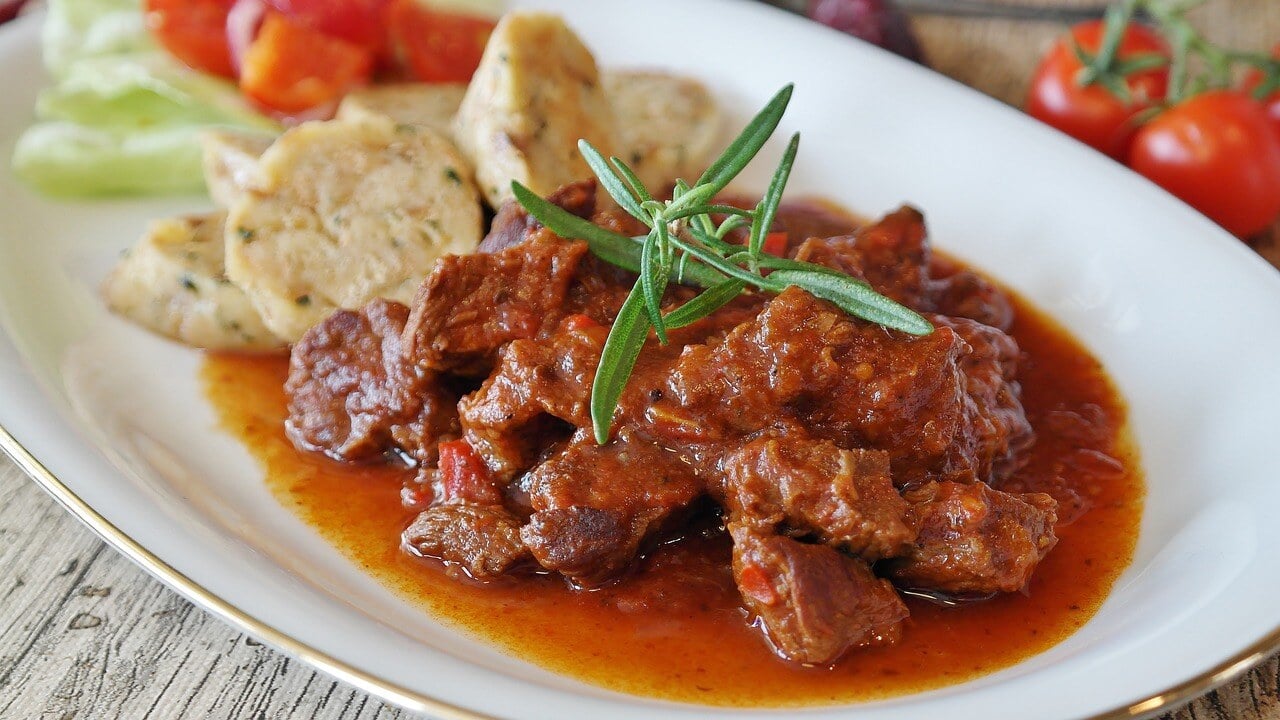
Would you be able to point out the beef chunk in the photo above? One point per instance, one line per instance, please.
(974, 540)
(891, 254)
(854, 383)
(513, 224)
(815, 602)
(998, 431)
(895, 256)
(483, 540)
(587, 545)
(348, 384)
(595, 506)
(435, 422)
(550, 377)
(471, 305)
(844, 498)
(969, 295)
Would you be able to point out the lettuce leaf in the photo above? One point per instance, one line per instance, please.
(122, 116)
(143, 90)
(66, 159)
(75, 29)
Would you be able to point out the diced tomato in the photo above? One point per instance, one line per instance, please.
(753, 582)
(436, 46)
(194, 31)
(357, 21)
(775, 243)
(464, 476)
(292, 68)
(579, 322)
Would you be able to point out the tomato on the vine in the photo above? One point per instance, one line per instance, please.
(194, 31)
(1270, 102)
(1217, 152)
(1093, 114)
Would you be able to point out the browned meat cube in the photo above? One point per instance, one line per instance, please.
(891, 254)
(595, 506)
(997, 430)
(857, 384)
(967, 294)
(895, 256)
(973, 540)
(435, 422)
(811, 487)
(483, 540)
(348, 384)
(534, 378)
(513, 225)
(815, 602)
(471, 305)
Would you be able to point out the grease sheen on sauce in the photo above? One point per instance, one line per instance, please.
(675, 630)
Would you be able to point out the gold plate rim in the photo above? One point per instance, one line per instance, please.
(1166, 700)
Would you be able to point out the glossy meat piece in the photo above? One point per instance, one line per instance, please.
(967, 294)
(533, 378)
(513, 224)
(348, 385)
(471, 305)
(973, 540)
(805, 487)
(483, 540)
(892, 254)
(895, 256)
(997, 430)
(856, 384)
(815, 602)
(595, 506)
(436, 421)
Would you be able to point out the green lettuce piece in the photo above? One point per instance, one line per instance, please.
(67, 159)
(76, 29)
(144, 90)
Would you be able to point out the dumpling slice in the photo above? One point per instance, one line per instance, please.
(430, 104)
(230, 161)
(173, 282)
(536, 92)
(346, 212)
(668, 126)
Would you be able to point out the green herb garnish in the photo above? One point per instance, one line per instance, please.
(686, 246)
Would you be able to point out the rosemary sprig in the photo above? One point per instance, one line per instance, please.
(685, 245)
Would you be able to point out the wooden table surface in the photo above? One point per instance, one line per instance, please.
(86, 634)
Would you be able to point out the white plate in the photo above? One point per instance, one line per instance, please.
(1181, 314)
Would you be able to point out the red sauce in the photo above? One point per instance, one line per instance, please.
(675, 630)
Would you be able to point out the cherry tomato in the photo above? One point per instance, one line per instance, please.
(436, 46)
(292, 68)
(1092, 114)
(1217, 152)
(194, 31)
(356, 21)
(1272, 101)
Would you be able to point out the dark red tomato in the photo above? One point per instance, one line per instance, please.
(1272, 101)
(356, 21)
(194, 31)
(1217, 152)
(1092, 114)
(437, 47)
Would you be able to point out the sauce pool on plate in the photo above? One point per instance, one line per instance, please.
(675, 629)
